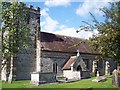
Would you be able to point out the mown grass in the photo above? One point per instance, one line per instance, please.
(78, 84)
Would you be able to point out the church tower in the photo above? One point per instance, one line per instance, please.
(28, 60)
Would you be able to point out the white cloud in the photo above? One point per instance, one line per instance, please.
(44, 12)
(54, 3)
(62, 27)
(91, 6)
(85, 34)
(67, 32)
(53, 26)
(72, 32)
(48, 24)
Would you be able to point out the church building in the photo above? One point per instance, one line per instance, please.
(57, 55)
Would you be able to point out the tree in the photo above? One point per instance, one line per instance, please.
(15, 32)
(107, 41)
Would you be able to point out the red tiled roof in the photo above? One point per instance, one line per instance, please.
(60, 43)
(69, 62)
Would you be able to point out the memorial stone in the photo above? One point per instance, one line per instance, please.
(116, 78)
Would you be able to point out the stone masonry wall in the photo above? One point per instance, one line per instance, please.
(25, 60)
(27, 65)
(48, 58)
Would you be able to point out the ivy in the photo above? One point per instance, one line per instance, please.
(15, 31)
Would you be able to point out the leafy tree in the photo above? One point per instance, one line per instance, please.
(107, 41)
(15, 32)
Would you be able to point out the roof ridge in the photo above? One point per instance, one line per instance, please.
(62, 35)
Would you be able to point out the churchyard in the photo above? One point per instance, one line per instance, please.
(47, 57)
(82, 84)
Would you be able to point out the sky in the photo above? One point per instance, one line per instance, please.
(65, 16)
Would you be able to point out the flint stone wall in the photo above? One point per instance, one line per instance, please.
(48, 58)
(48, 77)
(85, 74)
(25, 65)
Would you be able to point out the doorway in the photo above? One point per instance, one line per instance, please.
(79, 69)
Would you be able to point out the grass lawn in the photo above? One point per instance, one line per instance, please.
(79, 84)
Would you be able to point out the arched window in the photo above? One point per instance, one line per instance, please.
(55, 67)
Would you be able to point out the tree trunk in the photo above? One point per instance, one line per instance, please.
(11, 70)
(4, 70)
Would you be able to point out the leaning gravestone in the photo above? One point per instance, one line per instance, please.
(116, 78)
(100, 79)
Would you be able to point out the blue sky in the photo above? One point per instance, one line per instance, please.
(65, 16)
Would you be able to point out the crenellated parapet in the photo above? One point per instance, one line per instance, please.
(35, 10)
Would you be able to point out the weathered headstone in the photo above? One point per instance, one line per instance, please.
(100, 79)
(107, 68)
(94, 68)
(116, 78)
(98, 74)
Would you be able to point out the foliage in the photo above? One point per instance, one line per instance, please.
(14, 34)
(107, 41)
(15, 30)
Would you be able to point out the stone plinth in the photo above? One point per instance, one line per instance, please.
(35, 78)
(38, 78)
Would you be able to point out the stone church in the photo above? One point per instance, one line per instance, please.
(55, 55)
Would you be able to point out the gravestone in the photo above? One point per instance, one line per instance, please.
(107, 68)
(100, 79)
(116, 78)
(98, 74)
(94, 68)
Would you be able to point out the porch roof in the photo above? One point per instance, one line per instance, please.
(70, 62)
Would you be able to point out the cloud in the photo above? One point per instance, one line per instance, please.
(48, 24)
(91, 6)
(44, 12)
(53, 26)
(54, 3)
(72, 32)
